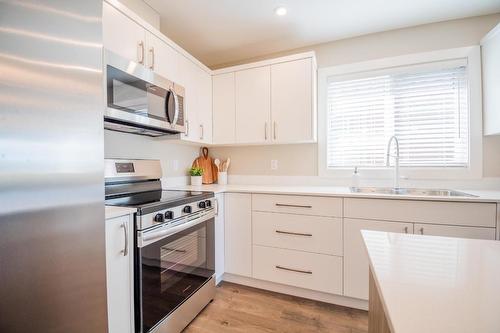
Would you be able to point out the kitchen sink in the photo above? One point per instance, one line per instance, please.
(411, 191)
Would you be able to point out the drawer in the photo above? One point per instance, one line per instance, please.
(298, 232)
(294, 204)
(454, 231)
(437, 212)
(300, 269)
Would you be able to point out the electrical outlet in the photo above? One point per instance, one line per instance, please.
(274, 164)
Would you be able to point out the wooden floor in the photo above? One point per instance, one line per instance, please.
(238, 308)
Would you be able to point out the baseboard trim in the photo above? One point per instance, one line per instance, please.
(295, 291)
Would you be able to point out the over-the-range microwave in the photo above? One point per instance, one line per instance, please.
(140, 101)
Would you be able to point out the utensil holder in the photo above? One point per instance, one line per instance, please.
(222, 178)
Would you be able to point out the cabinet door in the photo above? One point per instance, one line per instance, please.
(292, 101)
(122, 35)
(455, 231)
(219, 236)
(253, 105)
(238, 234)
(161, 58)
(356, 263)
(188, 75)
(223, 109)
(490, 56)
(119, 275)
(204, 92)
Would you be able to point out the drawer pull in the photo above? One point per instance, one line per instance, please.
(292, 233)
(295, 206)
(293, 270)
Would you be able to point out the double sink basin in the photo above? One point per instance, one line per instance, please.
(411, 191)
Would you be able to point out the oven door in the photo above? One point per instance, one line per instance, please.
(171, 269)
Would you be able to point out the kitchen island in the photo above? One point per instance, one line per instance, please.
(432, 284)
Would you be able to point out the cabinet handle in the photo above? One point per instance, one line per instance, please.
(152, 52)
(293, 270)
(202, 134)
(294, 206)
(292, 233)
(265, 131)
(406, 230)
(140, 51)
(274, 130)
(125, 234)
(186, 133)
(216, 207)
(421, 230)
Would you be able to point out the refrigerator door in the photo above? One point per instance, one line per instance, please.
(52, 253)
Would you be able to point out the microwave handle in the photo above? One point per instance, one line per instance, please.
(176, 105)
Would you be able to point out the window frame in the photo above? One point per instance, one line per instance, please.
(475, 170)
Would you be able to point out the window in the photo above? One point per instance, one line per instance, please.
(426, 110)
(428, 101)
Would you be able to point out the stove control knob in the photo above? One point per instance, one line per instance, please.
(158, 218)
(169, 215)
(187, 209)
(208, 203)
(201, 204)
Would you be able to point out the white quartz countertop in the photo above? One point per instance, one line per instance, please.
(436, 284)
(115, 211)
(335, 191)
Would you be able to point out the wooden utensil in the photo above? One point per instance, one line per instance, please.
(228, 161)
(206, 163)
(217, 164)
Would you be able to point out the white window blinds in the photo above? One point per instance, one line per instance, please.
(426, 107)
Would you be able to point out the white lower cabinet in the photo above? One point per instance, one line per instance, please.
(300, 269)
(355, 257)
(315, 242)
(455, 231)
(238, 234)
(219, 236)
(119, 274)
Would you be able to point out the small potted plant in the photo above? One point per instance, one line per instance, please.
(196, 174)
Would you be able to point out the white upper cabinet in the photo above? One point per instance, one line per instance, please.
(161, 57)
(204, 95)
(122, 35)
(126, 35)
(269, 102)
(198, 102)
(490, 52)
(223, 109)
(292, 102)
(253, 105)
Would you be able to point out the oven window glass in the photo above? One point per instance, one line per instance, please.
(128, 93)
(172, 269)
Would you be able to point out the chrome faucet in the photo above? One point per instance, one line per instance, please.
(396, 159)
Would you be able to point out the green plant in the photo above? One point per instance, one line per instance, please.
(196, 171)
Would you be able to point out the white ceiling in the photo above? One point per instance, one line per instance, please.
(222, 31)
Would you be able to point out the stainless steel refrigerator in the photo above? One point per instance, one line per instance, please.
(52, 253)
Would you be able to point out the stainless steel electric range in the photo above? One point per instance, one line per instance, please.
(174, 245)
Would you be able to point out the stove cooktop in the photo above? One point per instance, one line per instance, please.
(149, 202)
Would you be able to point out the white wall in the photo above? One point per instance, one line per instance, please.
(123, 145)
(301, 160)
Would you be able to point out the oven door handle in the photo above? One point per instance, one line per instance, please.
(148, 237)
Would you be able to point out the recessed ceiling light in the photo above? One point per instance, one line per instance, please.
(280, 11)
